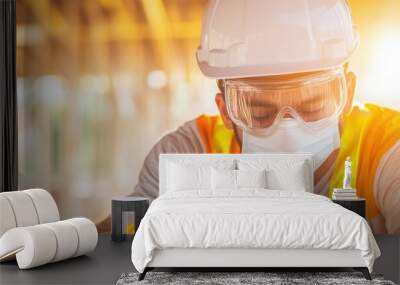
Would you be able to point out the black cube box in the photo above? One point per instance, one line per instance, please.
(126, 214)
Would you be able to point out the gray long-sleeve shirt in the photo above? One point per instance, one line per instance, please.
(186, 139)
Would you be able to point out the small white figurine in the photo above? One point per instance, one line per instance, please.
(347, 174)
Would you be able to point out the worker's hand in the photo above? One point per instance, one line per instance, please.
(104, 226)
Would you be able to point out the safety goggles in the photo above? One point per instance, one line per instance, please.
(259, 103)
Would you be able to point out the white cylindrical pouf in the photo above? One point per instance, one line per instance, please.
(23, 208)
(34, 245)
(67, 239)
(7, 218)
(87, 234)
(30, 230)
(40, 244)
(45, 205)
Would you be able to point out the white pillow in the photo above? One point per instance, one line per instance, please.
(282, 174)
(293, 180)
(251, 178)
(223, 179)
(187, 177)
(228, 179)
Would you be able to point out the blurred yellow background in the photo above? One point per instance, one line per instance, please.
(99, 81)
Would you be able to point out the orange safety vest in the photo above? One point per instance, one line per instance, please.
(368, 133)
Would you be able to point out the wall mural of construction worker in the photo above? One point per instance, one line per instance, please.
(285, 86)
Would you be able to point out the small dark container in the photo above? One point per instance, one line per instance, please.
(126, 214)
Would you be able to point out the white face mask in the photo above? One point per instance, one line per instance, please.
(291, 136)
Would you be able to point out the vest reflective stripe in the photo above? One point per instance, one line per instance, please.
(368, 134)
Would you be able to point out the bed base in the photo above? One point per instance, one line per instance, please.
(250, 259)
(363, 270)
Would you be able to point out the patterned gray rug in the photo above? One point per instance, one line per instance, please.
(225, 278)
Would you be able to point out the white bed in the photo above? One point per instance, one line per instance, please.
(249, 227)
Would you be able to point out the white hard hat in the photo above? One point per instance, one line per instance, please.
(246, 38)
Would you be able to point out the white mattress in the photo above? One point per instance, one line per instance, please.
(250, 219)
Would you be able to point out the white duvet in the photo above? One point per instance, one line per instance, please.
(252, 218)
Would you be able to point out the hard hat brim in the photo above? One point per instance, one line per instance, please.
(267, 70)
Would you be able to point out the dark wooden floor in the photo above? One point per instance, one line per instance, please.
(110, 260)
